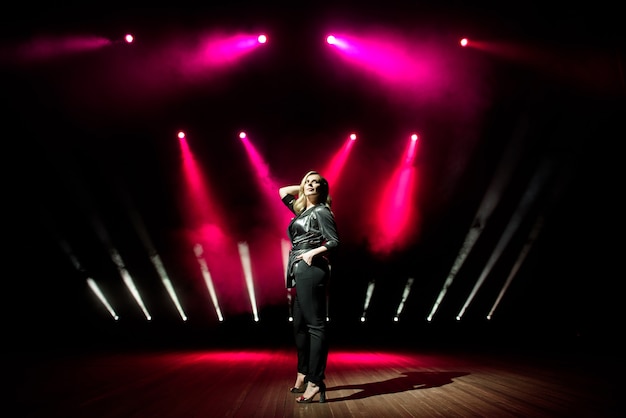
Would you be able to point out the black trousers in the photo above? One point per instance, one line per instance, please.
(309, 319)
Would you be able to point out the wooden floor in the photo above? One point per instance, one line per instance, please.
(361, 382)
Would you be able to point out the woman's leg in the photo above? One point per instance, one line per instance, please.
(310, 303)
(301, 336)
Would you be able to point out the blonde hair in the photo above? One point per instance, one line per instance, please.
(300, 203)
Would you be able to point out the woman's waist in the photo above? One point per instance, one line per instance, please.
(305, 245)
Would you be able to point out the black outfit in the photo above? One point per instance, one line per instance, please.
(310, 229)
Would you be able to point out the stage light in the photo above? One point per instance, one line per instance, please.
(340, 43)
(246, 264)
(463, 42)
(520, 259)
(167, 283)
(208, 280)
(267, 184)
(368, 298)
(262, 39)
(489, 202)
(334, 168)
(128, 280)
(96, 290)
(405, 295)
(397, 217)
(129, 38)
(529, 196)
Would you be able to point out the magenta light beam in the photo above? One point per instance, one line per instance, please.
(397, 217)
(219, 50)
(336, 165)
(267, 184)
(392, 60)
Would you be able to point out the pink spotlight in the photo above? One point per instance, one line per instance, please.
(333, 40)
(463, 42)
(411, 150)
(398, 218)
(339, 160)
(394, 61)
(129, 38)
(181, 135)
(267, 184)
(262, 39)
(220, 51)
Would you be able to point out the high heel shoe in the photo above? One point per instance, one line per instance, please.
(302, 387)
(298, 389)
(321, 391)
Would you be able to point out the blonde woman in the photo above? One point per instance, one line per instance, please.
(313, 235)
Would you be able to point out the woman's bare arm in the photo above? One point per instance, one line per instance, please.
(292, 190)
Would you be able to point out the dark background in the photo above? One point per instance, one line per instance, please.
(89, 123)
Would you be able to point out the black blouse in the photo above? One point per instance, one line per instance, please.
(310, 229)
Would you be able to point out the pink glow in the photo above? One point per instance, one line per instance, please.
(391, 60)
(164, 69)
(198, 204)
(219, 51)
(334, 168)
(414, 69)
(343, 358)
(221, 249)
(332, 40)
(267, 185)
(397, 218)
(206, 228)
(266, 255)
(46, 48)
(411, 151)
(360, 358)
(234, 356)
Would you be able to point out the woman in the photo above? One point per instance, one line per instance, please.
(313, 235)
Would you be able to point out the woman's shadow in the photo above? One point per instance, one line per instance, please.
(407, 381)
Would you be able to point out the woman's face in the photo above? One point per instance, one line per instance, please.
(311, 186)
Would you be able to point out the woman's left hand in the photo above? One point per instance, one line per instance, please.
(307, 257)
